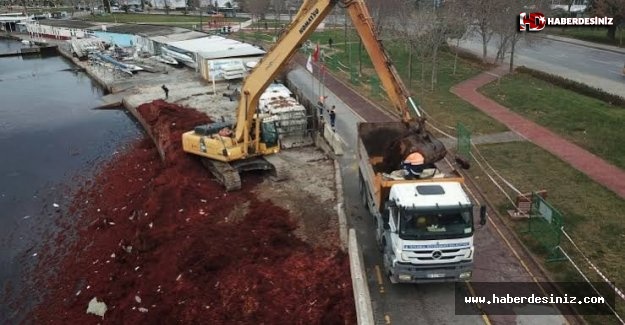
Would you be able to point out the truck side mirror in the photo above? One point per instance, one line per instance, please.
(482, 215)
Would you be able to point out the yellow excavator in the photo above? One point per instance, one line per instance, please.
(252, 143)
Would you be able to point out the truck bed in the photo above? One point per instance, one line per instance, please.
(373, 139)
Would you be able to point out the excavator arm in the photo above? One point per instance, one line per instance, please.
(226, 154)
(392, 83)
(309, 16)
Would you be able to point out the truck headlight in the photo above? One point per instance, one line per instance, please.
(404, 277)
(469, 254)
(465, 275)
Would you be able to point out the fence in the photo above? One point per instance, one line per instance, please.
(545, 226)
(463, 149)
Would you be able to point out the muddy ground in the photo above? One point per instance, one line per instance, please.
(162, 242)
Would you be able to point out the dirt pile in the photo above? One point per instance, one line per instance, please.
(156, 243)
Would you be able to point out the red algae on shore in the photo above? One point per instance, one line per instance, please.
(153, 241)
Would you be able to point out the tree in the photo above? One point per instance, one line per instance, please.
(166, 7)
(107, 6)
(450, 19)
(507, 34)
(257, 7)
(418, 23)
(277, 7)
(610, 8)
(384, 10)
(458, 29)
(481, 13)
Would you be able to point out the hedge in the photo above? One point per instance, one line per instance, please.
(575, 86)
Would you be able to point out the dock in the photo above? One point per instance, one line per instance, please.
(36, 50)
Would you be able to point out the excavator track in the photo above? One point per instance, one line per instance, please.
(280, 170)
(226, 174)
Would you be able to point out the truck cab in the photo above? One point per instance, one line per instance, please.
(427, 233)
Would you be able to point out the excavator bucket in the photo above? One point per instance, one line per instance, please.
(394, 141)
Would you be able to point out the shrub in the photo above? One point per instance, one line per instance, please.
(574, 86)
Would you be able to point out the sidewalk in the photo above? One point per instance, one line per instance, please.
(574, 41)
(594, 167)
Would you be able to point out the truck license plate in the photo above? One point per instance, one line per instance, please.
(436, 275)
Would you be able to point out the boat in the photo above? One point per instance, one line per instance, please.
(166, 59)
(128, 68)
(82, 47)
(180, 57)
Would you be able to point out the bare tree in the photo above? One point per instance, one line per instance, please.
(278, 5)
(482, 13)
(406, 20)
(507, 33)
(257, 7)
(458, 28)
(610, 8)
(384, 12)
(448, 19)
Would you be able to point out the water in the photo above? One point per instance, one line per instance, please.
(9, 47)
(49, 135)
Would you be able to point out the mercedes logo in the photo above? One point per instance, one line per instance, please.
(437, 254)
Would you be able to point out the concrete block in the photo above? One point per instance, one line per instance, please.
(364, 310)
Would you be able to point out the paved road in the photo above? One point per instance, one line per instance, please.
(599, 68)
(495, 260)
(424, 304)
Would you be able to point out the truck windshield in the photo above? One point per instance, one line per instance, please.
(435, 224)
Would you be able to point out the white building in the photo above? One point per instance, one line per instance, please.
(173, 4)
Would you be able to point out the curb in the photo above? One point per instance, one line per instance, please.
(340, 205)
(333, 140)
(364, 311)
(585, 44)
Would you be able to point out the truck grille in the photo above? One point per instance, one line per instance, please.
(428, 255)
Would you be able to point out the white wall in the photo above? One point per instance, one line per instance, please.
(208, 73)
(57, 32)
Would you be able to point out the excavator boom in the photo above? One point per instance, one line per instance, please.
(309, 16)
(226, 153)
(395, 89)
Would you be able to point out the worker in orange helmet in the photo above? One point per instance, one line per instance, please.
(413, 164)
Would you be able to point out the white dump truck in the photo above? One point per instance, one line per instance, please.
(424, 225)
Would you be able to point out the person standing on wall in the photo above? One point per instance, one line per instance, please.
(321, 104)
(166, 90)
(332, 114)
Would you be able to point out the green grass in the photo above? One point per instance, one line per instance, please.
(444, 108)
(271, 24)
(597, 35)
(593, 124)
(592, 214)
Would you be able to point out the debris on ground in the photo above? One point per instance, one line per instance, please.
(207, 258)
(96, 307)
